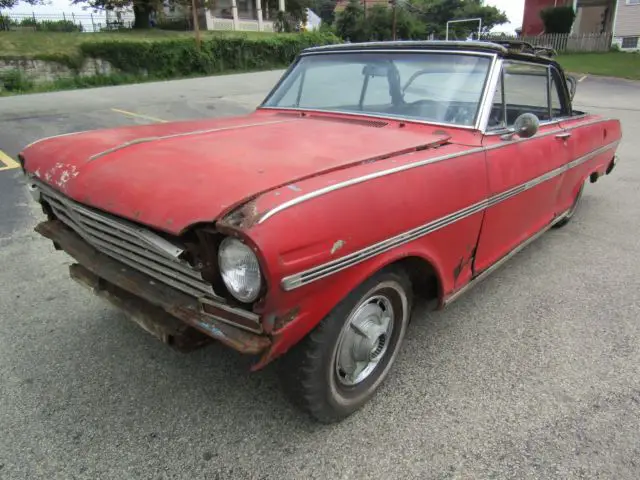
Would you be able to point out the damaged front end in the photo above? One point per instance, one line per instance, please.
(168, 286)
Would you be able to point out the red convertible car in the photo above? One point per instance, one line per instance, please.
(373, 175)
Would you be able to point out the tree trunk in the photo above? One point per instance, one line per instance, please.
(141, 12)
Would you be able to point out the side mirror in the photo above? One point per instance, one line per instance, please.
(525, 126)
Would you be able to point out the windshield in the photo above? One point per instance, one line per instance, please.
(442, 88)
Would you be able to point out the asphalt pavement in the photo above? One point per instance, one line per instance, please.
(535, 373)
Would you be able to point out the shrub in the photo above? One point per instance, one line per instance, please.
(6, 22)
(51, 25)
(175, 24)
(558, 19)
(180, 57)
(15, 81)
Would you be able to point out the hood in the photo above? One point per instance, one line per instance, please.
(170, 176)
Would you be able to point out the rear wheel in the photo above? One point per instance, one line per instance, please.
(339, 366)
(573, 209)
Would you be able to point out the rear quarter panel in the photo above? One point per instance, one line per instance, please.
(346, 220)
(594, 139)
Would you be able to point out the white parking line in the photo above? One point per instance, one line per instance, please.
(582, 78)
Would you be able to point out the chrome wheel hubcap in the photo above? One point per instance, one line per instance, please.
(364, 340)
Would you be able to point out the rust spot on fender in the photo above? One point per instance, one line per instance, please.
(337, 246)
(284, 320)
(464, 263)
(243, 217)
(458, 269)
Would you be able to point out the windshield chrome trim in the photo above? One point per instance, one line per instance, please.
(487, 99)
(404, 50)
(478, 112)
(476, 45)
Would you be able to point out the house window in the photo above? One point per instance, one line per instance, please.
(630, 42)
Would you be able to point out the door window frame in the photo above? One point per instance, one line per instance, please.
(553, 73)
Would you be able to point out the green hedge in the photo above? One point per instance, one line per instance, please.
(180, 57)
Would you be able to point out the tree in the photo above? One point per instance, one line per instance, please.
(142, 9)
(324, 9)
(415, 19)
(13, 3)
(558, 19)
(436, 13)
(378, 24)
(350, 21)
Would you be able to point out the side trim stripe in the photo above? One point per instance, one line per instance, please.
(354, 258)
(321, 271)
(401, 168)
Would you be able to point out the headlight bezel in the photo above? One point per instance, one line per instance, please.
(235, 242)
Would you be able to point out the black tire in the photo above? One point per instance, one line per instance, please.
(573, 209)
(309, 372)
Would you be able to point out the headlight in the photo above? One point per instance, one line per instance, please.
(240, 270)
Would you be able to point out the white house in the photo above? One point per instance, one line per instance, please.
(626, 24)
(621, 18)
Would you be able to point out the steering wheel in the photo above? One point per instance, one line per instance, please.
(434, 110)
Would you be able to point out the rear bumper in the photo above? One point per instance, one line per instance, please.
(170, 315)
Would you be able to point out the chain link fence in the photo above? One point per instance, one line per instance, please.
(55, 22)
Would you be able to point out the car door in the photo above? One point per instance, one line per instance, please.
(523, 184)
(585, 135)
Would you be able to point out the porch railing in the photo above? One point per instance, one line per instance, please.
(244, 25)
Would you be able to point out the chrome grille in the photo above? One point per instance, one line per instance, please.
(128, 243)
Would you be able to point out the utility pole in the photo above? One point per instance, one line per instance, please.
(196, 25)
(393, 28)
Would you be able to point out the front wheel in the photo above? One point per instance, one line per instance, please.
(339, 366)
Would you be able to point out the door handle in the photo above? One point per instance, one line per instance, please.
(563, 136)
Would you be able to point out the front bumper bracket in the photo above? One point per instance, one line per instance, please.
(168, 314)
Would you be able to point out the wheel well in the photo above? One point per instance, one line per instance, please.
(424, 278)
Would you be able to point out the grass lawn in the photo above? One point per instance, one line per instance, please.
(611, 64)
(29, 44)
